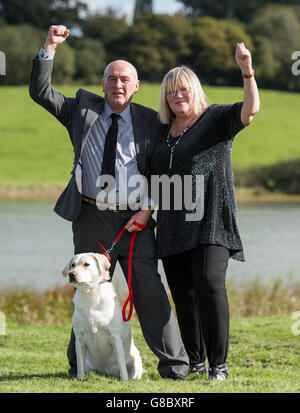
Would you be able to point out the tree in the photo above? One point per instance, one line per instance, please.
(90, 61)
(243, 10)
(139, 46)
(213, 44)
(235, 32)
(42, 13)
(64, 68)
(279, 44)
(142, 7)
(265, 64)
(108, 28)
(155, 44)
(20, 44)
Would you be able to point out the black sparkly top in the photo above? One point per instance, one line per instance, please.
(205, 149)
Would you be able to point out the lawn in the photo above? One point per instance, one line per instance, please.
(264, 357)
(36, 151)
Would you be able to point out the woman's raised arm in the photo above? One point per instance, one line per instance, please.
(251, 95)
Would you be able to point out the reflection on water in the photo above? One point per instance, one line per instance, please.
(35, 245)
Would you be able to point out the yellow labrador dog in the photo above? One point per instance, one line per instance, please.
(104, 341)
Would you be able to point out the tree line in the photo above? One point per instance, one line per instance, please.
(203, 36)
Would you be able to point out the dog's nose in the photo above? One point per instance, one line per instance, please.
(71, 275)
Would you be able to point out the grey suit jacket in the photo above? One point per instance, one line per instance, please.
(78, 115)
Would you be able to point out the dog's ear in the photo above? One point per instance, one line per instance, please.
(66, 270)
(103, 265)
(103, 262)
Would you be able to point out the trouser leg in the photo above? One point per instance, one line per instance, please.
(71, 353)
(157, 320)
(209, 264)
(181, 283)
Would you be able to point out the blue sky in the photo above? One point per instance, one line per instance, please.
(127, 6)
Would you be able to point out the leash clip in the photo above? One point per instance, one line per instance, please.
(111, 248)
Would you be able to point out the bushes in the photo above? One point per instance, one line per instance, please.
(283, 177)
(46, 308)
(56, 306)
(259, 300)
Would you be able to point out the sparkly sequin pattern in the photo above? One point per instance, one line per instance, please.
(204, 150)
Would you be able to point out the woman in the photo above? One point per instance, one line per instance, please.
(195, 254)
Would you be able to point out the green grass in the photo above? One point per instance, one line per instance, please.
(264, 354)
(36, 151)
(263, 358)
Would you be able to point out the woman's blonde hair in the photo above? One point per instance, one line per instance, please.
(175, 79)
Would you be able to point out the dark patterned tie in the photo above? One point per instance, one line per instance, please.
(110, 148)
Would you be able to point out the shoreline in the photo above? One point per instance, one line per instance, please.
(52, 193)
(255, 300)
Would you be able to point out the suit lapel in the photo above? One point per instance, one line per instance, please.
(140, 131)
(92, 113)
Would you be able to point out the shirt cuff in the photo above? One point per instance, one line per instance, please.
(148, 202)
(46, 54)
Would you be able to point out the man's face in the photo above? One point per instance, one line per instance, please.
(120, 83)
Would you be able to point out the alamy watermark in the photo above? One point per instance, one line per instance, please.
(2, 324)
(296, 324)
(2, 64)
(165, 192)
(296, 64)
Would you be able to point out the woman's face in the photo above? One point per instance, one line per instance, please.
(181, 102)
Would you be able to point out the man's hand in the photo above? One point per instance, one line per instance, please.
(56, 36)
(142, 217)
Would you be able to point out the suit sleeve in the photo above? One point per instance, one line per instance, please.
(41, 91)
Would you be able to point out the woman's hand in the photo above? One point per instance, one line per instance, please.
(243, 59)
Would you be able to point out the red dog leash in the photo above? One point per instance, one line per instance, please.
(107, 254)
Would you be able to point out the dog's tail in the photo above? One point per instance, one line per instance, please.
(120, 285)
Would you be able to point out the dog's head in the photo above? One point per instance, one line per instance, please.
(87, 270)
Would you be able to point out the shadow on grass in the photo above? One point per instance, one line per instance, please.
(36, 376)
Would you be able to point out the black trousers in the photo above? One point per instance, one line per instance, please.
(197, 283)
(157, 320)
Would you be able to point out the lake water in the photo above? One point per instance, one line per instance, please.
(35, 245)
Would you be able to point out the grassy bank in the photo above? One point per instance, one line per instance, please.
(55, 306)
(51, 192)
(263, 358)
(36, 152)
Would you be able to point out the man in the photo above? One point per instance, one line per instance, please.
(90, 121)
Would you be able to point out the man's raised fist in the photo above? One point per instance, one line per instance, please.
(56, 35)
